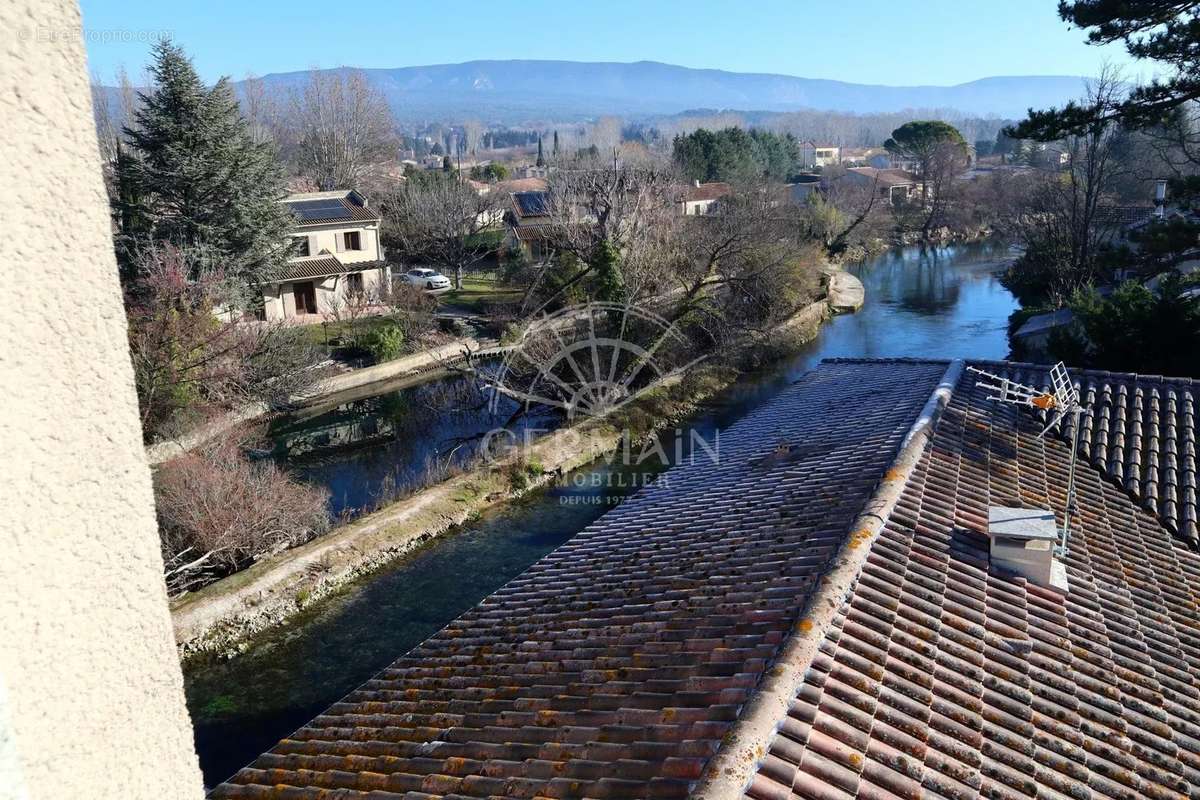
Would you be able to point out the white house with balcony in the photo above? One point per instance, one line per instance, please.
(337, 253)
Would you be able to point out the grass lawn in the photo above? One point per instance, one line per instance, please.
(319, 333)
(479, 289)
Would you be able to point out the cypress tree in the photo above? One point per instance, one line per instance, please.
(609, 283)
(554, 149)
(541, 161)
(200, 179)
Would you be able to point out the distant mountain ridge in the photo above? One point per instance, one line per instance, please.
(517, 91)
(649, 87)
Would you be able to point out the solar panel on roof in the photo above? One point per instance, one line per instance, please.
(320, 209)
(532, 203)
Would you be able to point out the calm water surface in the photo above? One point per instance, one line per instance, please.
(923, 303)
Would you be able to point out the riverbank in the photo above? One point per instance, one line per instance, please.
(223, 616)
(407, 366)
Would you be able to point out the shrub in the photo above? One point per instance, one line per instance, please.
(511, 334)
(411, 309)
(218, 513)
(384, 343)
(452, 326)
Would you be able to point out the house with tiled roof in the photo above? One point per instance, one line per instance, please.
(529, 227)
(821, 612)
(336, 253)
(700, 199)
(894, 185)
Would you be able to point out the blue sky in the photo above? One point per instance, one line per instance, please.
(867, 41)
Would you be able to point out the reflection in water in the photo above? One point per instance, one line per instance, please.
(370, 449)
(932, 305)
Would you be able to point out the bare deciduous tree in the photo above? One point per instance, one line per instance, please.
(108, 126)
(437, 221)
(342, 128)
(593, 207)
(186, 359)
(606, 135)
(844, 213)
(946, 162)
(1066, 226)
(261, 110)
(744, 268)
(472, 134)
(218, 512)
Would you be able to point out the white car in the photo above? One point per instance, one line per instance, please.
(427, 279)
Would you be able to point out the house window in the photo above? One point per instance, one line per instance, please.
(302, 246)
(353, 240)
(354, 283)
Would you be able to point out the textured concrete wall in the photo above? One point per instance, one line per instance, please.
(91, 696)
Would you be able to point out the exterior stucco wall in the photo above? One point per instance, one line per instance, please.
(325, 238)
(91, 695)
(280, 301)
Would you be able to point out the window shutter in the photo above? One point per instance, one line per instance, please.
(312, 245)
(340, 241)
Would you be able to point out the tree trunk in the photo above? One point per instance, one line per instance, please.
(458, 277)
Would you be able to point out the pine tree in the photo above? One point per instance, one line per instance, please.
(541, 161)
(200, 180)
(128, 212)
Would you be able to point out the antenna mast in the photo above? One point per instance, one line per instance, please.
(1063, 399)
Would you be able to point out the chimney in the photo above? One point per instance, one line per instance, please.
(1160, 198)
(1023, 540)
(696, 183)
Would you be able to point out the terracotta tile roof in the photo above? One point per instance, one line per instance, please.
(1140, 431)
(614, 666)
(886, 177)
(1124, 216)
(522, 185)
(943, 678)
(622, 663)
(320, 267)
(534, 233)
(707, 191)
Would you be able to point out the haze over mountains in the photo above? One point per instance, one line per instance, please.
(539, 89)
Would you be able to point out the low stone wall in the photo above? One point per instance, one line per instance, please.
(223, 616)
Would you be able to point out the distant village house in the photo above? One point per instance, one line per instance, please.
(814, 155)
(895, 185)
(701, 198)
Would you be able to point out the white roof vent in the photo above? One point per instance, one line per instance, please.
(1024, 541)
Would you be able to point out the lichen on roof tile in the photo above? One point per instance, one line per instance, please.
(1033, 693)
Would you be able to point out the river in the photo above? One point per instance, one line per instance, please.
(941, 303)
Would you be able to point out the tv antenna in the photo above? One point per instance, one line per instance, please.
(1061, 400)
